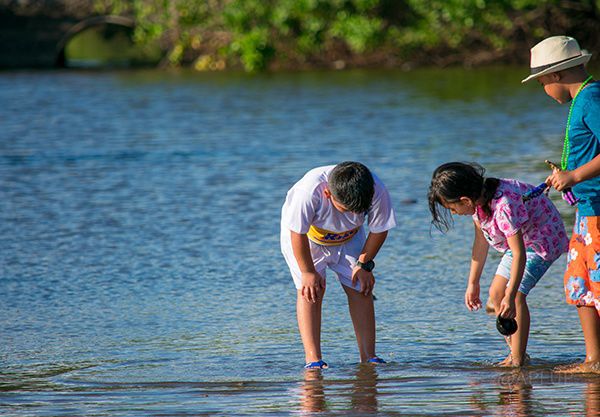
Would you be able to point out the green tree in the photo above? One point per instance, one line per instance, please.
(255, 34)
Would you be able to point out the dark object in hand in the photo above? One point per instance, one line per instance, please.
(506, 327)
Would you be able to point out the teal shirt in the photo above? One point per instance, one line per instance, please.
(584, 137)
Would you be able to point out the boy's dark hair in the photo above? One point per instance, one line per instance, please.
(352, 185)
(454, 180)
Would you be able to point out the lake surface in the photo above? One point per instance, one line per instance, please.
(139, 245)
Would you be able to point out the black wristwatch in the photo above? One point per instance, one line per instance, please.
(367, 266)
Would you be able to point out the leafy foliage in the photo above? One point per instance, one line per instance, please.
(258, 33)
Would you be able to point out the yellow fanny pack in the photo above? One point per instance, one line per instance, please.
(329, 238)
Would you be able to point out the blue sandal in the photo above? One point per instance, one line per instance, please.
(316, 365)
(376, 359)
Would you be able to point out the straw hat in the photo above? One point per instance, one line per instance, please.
(556, 54)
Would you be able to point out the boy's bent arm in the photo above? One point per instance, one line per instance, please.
(311, 281)
(564, 179)
(301, 249)
(478, 257)
(372, 245)
(587, 171)
(369, 251)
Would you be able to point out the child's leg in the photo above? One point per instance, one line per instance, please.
(497, 290)
(362, 312)
(489, 307)
(309, 324)
(535, 268)
(496, 294)
(582, 287)
(518, 341)
(590, 324)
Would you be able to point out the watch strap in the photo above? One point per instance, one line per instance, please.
(367, 266)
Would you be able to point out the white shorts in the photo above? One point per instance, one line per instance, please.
(340, 259)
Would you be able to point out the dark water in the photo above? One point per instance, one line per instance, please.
(140, 264)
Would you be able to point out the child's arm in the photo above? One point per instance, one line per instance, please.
(517, 247)
(565, 179)
(312, 282)
(478, 257)
(368, 253)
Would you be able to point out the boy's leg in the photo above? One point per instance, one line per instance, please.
(362, 312)
(309, 324)
(308, 314)
(582, 288)
(590, 324)
(589, 314)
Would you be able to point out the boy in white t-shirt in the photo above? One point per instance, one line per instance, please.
(321, 227)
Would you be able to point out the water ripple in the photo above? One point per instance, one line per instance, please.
(140, 271)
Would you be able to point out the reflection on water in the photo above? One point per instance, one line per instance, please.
(141, 273)
(592, 398)
(520, 393)
(312, 392)
(364, 390)
(528, 393)
(361, 388)
(514, 397)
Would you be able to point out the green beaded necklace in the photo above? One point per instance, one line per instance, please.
(566, 145)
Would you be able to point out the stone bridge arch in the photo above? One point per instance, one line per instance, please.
(84, 25)
(34, 33)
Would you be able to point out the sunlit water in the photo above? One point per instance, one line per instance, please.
(141, 272)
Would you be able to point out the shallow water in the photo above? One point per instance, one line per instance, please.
(141, 272)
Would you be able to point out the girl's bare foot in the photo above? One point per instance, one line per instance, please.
(523, 362)
(510, 362)
(506, 362)
(579, 368)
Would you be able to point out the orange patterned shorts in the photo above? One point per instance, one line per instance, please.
(582, 277)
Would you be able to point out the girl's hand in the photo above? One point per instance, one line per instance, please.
(472, 300)
(561, 180)
(507, 307)
(366, 279)
(313, 285)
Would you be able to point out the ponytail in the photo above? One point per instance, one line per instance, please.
(490, 185)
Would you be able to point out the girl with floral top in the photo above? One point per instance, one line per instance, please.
(529, 233)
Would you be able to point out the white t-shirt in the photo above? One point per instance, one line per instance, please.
(306, 205)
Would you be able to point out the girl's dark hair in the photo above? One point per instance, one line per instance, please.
(454, 180)
(352, 185)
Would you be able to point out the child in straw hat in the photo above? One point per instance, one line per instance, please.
(558, 65)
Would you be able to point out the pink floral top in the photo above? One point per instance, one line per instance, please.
(538, 219)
